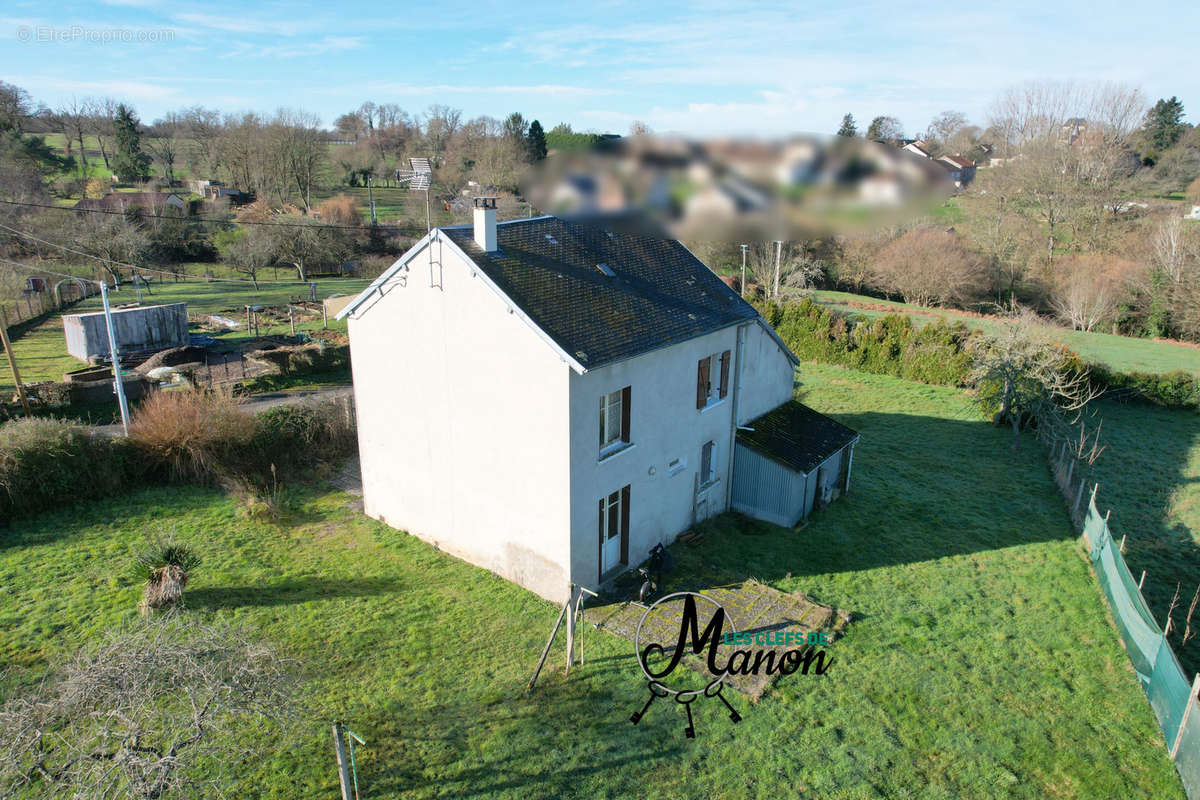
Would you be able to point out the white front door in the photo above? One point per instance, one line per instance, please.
(611, 532)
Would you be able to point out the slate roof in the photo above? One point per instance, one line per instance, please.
(660, 294)
(796, 436)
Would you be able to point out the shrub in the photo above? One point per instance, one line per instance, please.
(47, 462)
(890, 345)
(1177, 389)
(296, 435)
(199, 434)
(166, 567)
(929, 267)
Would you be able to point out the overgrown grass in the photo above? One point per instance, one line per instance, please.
(1123, 353)
(980, 664)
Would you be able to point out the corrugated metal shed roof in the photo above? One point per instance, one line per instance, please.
(797, 436)
(556, 271)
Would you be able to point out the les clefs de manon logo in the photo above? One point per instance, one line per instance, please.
(740, 661)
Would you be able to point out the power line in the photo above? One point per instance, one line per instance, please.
(198, 219)
(160, 271)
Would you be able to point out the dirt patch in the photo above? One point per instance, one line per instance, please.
(751, 607)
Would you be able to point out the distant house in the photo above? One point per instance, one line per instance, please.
(962, 171)
(1193, 214)
(153, 202)
(550, 399)
(919, 148)
(214, 190)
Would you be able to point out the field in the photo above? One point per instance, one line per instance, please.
(41, 351)
(980, 662)
(1123, 353)
(1149, 477)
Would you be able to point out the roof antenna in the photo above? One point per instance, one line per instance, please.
(419, 179)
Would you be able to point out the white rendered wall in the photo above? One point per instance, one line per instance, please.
(767, 374)
(664, 424)
(463, 423)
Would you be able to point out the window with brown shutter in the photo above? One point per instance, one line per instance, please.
(724, 374)
(702, 385)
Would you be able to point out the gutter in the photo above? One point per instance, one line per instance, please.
(737, 395)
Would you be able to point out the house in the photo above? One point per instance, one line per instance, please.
(550, 399)
(962, 171)
(919, 148)
(1193, 214)
(214, 190)
(153, 202)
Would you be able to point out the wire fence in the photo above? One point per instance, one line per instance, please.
(1171, 695)
(34, 305)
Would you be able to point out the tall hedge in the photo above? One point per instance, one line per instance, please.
(938, 353)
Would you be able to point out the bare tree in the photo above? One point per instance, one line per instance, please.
(158, 710)
(164, 142)
(299, 151)
(1086, 289)
(75, 119)
(100, 114)
(1022, 379)
(929, 267)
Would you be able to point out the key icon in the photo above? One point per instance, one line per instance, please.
(657, 690)
(714, 690)
(686, 699)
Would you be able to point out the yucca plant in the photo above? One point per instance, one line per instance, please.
(165, 565)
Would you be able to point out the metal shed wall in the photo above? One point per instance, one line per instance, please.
(767, 490)
(136, 328)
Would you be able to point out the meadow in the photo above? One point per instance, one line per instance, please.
(980, 661)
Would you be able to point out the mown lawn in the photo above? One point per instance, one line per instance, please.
(1149, 476)
(1124, 353)
(41, 352)
(980, 662)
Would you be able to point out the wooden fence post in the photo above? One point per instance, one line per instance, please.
(1079, 494)
(1141, 580)
(1186, 711)
(339, 748)
(12, 364)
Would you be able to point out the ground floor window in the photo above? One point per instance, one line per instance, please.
(708, 463)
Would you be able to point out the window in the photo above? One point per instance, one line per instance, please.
(614, 420)
(708, 463)
(614, 530)
(708, 390)
(676, 466)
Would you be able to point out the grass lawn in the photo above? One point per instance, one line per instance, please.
(1124, 353)
(41, 351)
(1152, 486)
(980, 662)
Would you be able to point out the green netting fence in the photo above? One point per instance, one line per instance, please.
(1171, 695)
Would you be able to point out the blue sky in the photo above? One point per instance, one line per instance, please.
(692, 67)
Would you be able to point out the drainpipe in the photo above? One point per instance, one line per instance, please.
(737, 393)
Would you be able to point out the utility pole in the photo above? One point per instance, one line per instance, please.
(116, 360)
(742, 285)
(778, 257)
(12, 363)
(371, 200)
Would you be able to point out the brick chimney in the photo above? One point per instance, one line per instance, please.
(485, 223)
